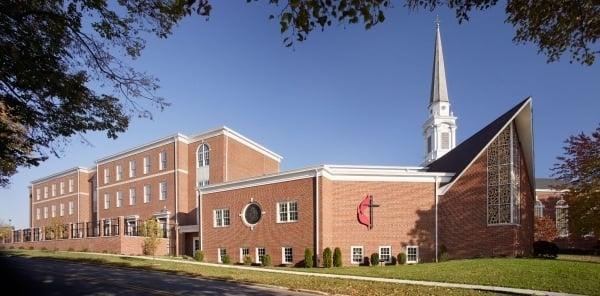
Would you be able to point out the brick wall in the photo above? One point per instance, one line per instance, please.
(244, 162)
(126, 245)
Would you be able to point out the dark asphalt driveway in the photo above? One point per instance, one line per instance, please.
(27, 276)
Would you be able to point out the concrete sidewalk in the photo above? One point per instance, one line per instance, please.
(360, 278)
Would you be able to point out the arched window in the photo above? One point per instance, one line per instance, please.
(203, 155)
(539, 208)
(562, 218)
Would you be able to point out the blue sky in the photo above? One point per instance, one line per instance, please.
(344, 96)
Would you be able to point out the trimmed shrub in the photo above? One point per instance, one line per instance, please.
(337, 257)
(374, 259)
(545, 249)
(55, 250)
(85, 250)
(308, 258)
(21, 247)
(106, 252)
(11, 247)
(71, 250)
(199, 256)
(247, 260)
(443, 254)
(327, 258)
(266, 260)
(226, 259)
(31, 247)
(401, 258)
(44, 249)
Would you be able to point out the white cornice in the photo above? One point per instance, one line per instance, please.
(61, 174)
(141, 148)
(240, 138)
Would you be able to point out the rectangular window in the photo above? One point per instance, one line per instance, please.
(287, 255)
(243, 253)
(106, 176)
(62, 188)
(429, 144)
(221, 218)
(162, 160)
(260, 254)
(132, 196)
(445, 140)
(221, 252)
(357, 254)
(132, 169)
(38, 194)
(287, 211)
(146, 164)
(62, 209)
(37, 214)
(119, 172)
(71, 185)
(147, 195)
(106, 201)
(412, 254)
(385, 254)
(71, 208)
(45, 212)
(53, 190)
(53, 211)
(119, 199)
(163, 190)
(45, 191)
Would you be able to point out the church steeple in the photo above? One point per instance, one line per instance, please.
(440, 128)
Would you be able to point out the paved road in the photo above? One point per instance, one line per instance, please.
(27, 276)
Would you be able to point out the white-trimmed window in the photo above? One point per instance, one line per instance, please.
(221, 218)
(412, 254)
(53, 190)
(38, 194)
(146, 164)
(71, 185)
(62, 188)
(287, 211)
(106, 201)
(119, 199)
(385, 254)
(53, 211)
(162, 157)
(147, 195)
(62, 209)
(287, 255)
(243, 253)
(132, 169)
(357, 254)
(45, 212)
(260, 254)
(132, 196)
(37, 214)
(106, 175)
(562, 218)
(119, 172)
(539, 209)
(45, 191)
(221, 253)
(203, 155)
(71, 208)
(163, 190)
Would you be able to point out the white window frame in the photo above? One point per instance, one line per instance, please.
(118, 172)
(219, 256)
(147, 193)
(53, 190)
(132, 196)
(45, 191)
(538, 209)
(38, 213)
(147, 165)
(283, 255)
(287, 212)
(62, 209)
(45, 212)
(416, 255)
(216, 220)
(38, 193)
(71, 185)
(162, 160)
(389, 260)
(242, 254)
(53, 211)
(362, 254)
(132, 168)
(257, 259)
(162, 186)
(71, 207)
(106, 201)
(106, 175)
(203, 155)
(61, 188)
(119, 199)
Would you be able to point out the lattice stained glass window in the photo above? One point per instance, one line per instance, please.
(503, 190)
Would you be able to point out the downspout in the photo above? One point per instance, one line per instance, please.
(78, 192)
(176, 199)
(437, 198)
(198, 210)
(317, 224)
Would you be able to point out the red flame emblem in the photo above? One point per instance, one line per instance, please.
(363, 208)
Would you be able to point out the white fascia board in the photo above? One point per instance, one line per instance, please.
(60, 174)
(142, 148)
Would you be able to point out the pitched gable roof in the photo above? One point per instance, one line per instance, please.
(459, 158)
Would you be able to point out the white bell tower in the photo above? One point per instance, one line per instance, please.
(440, 128)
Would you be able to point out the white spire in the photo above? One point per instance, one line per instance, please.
(439, 88)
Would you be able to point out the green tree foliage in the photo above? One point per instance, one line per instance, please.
(337, 257)
(308, 258)
(5, 230)
(578, 171)
(150, 230)
(327, 258)
(374, 259)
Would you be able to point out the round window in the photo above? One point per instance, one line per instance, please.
(252, 214)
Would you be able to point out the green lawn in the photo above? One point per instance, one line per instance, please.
(572, 274)
(333, 286)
